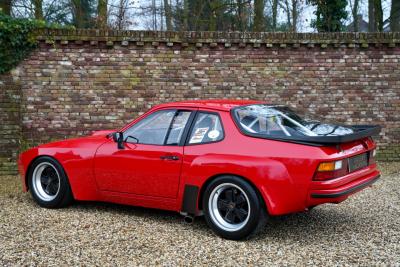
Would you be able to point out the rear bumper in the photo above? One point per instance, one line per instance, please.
(338, 190)
(347, 191)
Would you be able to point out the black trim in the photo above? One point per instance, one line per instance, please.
(362, 131)
(170, 127)
(347, 191)
(188, 128)
(194, 122)
(189, 202)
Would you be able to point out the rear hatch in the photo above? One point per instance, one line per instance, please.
(283, 124)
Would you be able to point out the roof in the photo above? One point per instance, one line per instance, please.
(218, 104)
(362, 25)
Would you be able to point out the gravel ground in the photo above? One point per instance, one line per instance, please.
(364, 230)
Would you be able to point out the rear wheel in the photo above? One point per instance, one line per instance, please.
(233, 209)
(49, 184)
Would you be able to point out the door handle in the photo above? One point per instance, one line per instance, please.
(169, 157)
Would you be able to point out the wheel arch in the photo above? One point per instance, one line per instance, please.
(210, 179)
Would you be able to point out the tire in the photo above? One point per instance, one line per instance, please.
(233, 209)
(48, 183)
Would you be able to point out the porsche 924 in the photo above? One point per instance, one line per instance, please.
(236, 162)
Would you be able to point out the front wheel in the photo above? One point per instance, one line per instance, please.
(49, 184)
(233, 209)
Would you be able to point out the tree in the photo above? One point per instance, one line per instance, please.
(77, 13)
(120, 18)
(185, 15)
(5, 6)
(274, 14)
(378, 14)
(82, 11)
(395, 16)
(295, 14)
(168, 15)
(375, 15)
(259, 19)
(354, 13)
(292, 9)
(38, 9)
(371, 16)
(330, 15)
(102, 14)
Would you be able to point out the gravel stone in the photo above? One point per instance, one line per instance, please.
(363, 230)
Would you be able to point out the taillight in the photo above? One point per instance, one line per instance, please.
(330, 170)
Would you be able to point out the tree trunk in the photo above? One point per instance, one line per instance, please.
(288, 14)
(185, 15)
(168, 17)
(378, 15)
(5, 6)
(295, 15)
(102, 14)
(38, 8)
(274, 14)
(258, 16)
(371, 16)
(78, 13)
(355, 16)
(240, 15)
(395, 16)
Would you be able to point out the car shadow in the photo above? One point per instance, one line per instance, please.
(324, 221)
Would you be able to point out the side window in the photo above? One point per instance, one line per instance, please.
(207, 128)
(157, 127)
(151, 130)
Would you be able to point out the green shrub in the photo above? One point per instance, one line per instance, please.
(18, 39)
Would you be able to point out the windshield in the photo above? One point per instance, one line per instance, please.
(279, 121)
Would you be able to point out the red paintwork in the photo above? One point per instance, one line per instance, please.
(282, 172)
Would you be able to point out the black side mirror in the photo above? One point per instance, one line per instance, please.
(118, 137)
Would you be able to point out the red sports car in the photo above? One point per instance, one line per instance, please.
(236, 162)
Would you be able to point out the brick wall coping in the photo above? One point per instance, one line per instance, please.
(256, 39)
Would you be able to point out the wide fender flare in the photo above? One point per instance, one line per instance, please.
(78, 166)
(269, 176)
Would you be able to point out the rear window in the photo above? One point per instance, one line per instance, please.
(281, 121)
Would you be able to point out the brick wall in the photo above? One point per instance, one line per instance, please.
(78, 81)
(10, 122)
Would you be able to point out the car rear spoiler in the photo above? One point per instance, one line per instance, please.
(360, 132)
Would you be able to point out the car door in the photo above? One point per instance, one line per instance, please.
(150, 162)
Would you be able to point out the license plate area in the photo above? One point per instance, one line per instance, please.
(358, 162)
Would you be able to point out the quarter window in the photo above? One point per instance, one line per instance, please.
(207, 128)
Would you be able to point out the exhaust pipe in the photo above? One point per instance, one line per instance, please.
(188, 219)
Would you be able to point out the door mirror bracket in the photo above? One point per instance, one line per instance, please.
(118, 137)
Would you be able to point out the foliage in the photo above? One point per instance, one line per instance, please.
(17, 39)
(330, 15)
